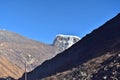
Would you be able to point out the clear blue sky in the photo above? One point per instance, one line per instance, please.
(41, 20)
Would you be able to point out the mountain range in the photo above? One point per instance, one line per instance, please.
(19, 54)
(95, 57)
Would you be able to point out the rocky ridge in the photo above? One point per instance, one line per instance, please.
(106, 65)
(104, 41)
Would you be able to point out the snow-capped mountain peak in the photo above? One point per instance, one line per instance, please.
(63, 42)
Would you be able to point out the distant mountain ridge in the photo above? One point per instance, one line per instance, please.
(102, 41)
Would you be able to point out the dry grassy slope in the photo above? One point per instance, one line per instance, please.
(9, 69)
(18, 53)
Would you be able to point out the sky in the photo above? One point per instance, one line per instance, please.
(42, 20)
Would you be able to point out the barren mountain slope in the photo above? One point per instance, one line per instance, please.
(19, 51)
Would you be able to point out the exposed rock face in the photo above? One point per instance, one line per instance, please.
(63, 42)
(90, 52)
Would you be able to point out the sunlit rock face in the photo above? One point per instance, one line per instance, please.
(63, 42)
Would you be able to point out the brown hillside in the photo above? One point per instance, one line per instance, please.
(19, 50)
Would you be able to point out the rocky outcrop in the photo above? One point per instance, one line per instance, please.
(63, 42)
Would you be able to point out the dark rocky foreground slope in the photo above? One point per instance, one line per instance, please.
(92, 52)
(105, 67)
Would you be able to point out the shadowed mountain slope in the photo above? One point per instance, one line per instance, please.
(99, 42)
(105, 67)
